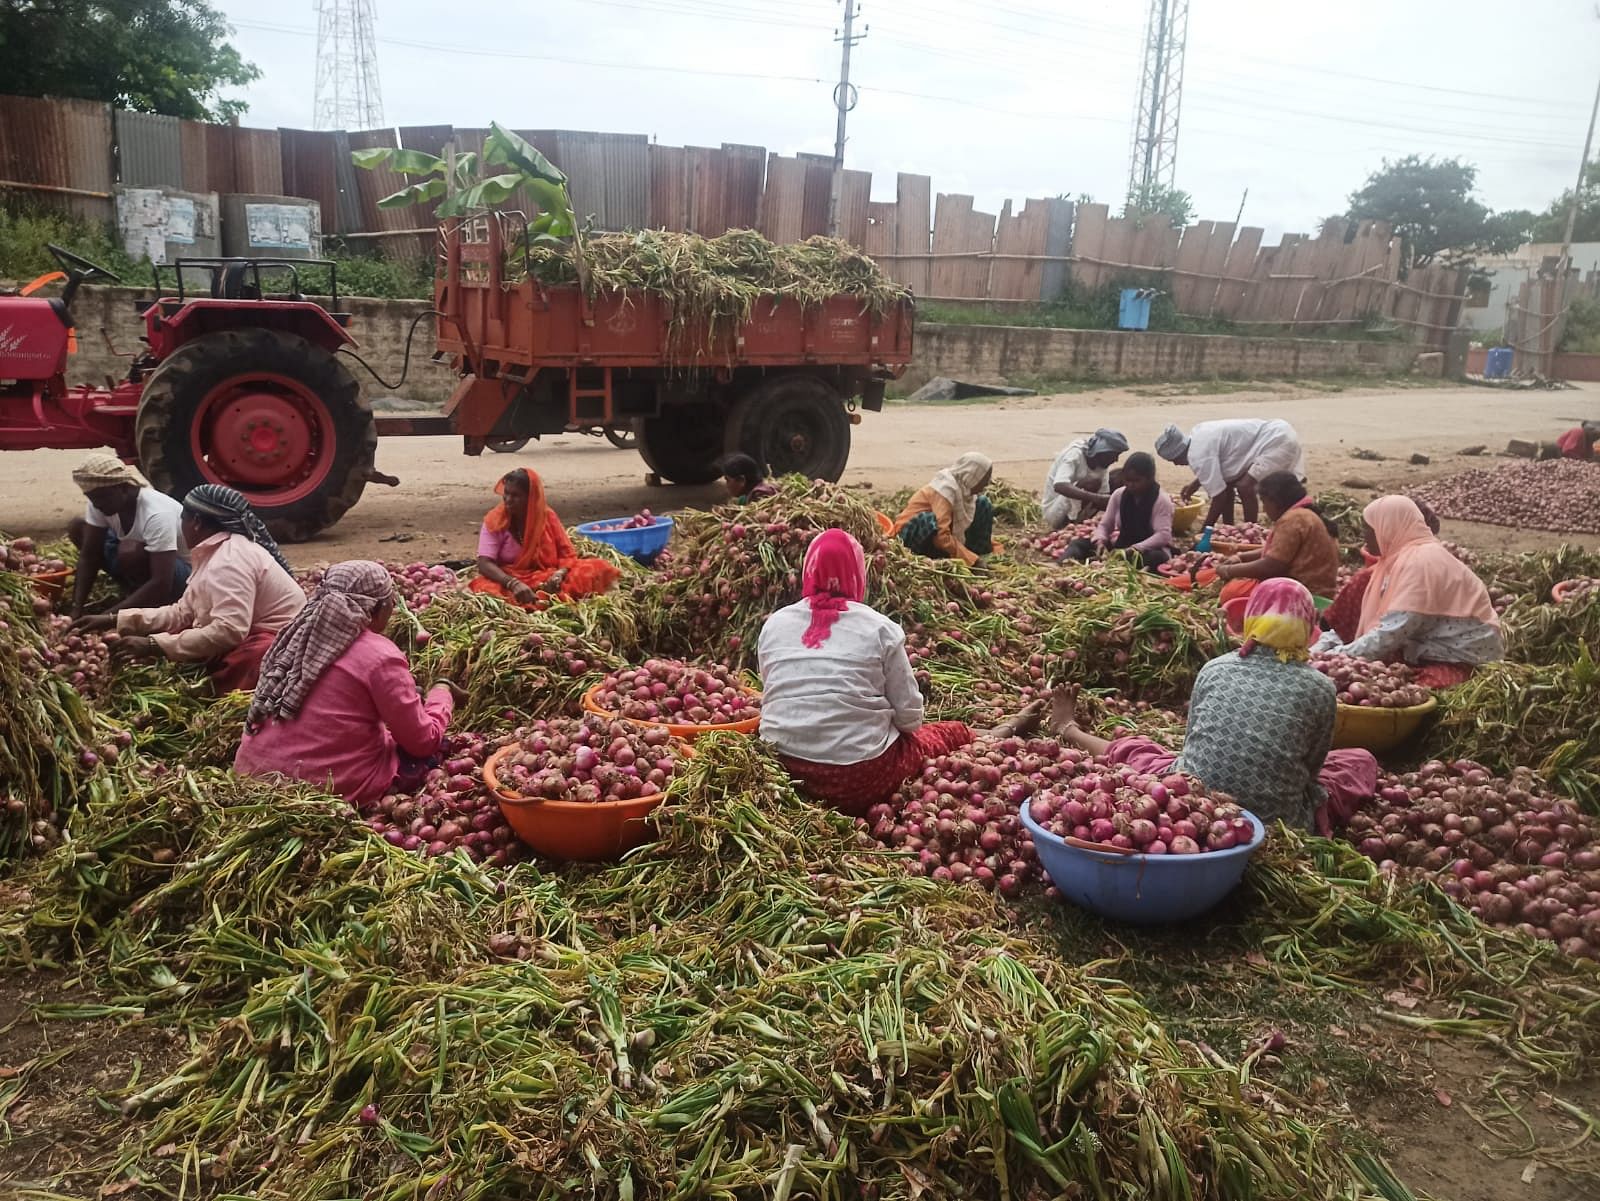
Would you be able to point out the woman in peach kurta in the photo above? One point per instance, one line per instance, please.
(524, 554)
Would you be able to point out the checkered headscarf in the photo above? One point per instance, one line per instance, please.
(340, 608)
(230, 510)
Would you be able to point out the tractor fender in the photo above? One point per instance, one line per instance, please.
(167, 331)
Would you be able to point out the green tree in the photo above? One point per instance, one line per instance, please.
(1159, 199)
(158, 56)
(1429, 203)
(1549, 225)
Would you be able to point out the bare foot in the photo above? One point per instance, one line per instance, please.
(1064, 708)
(1025, 721)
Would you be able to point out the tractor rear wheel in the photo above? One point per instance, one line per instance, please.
(792, 423)
(684, 443)
(263, 411)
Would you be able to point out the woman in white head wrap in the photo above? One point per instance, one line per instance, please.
(950, 518)
(1075, 488)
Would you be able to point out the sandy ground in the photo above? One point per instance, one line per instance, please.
(435, 512)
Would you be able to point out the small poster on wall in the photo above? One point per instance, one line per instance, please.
(180, 220)
(142, 220)
(278, 226)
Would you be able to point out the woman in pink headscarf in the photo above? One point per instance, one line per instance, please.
(840, 703)
(1421, 605)
(1260, 723)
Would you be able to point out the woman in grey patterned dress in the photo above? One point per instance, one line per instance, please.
(1260, 723)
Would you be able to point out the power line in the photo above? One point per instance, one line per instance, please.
(527, 56)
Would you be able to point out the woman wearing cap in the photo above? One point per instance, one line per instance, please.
(1075, 488)
(1260, 723)
(524, 554)
(336, 705)
(240, 595)
(839, 701)
(950, 517)
(1229, 458)
(131, 532)
(1421, 605)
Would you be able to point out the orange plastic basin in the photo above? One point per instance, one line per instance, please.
(687, 733)
(50, 584)
(885, 522)
(1233, 611)
(592, 832)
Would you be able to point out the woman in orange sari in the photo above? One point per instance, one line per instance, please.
(525, 556)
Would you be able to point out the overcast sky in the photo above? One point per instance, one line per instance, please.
(1296, 102)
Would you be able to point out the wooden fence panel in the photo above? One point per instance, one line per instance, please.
(783, 202)
(913, 231)
(1187, 285)
(669, 188)
(879, 239)
(1027, 233)
(1089, 245)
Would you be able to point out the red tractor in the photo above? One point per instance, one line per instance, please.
(246, 387)
(231, 388)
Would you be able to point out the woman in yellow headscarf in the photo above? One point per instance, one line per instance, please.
(1260, 723)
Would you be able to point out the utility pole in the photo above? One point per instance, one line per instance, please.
(844, 99)
(1564, 263)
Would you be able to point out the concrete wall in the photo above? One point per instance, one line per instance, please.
(1569, 367)
(978, 353)
(378, 326)
(995, 353)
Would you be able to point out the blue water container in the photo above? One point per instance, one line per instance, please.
(1498, 363)
(1134, 310)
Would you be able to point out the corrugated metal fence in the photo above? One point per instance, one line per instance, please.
(73, 152)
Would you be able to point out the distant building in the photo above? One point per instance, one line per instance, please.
(1502, 278)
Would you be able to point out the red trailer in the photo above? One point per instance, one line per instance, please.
(246, 386)
(539, 360)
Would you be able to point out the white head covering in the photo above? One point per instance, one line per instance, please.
(1171, 443)
(959, 484)
(1105, 442)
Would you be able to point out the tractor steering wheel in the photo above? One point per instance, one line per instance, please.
(70, 262)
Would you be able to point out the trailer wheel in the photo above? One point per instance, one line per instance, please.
(263, 411)
(507, 446)
(622, 439)
(684, 443)
(793, 423)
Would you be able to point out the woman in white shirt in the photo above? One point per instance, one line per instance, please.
(840, 703)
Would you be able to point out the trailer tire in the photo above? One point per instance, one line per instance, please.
(684, 444)
(263, 411)
(792, 423)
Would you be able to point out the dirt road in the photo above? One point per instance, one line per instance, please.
(443, 494)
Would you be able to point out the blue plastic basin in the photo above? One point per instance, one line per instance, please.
(643, 542)
(1146, 889)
